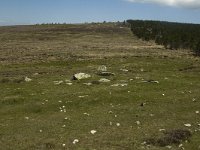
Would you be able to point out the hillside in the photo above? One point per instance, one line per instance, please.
(61, 42)
(170, 34)
(137, 95)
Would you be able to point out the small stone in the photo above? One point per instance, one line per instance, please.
(124, 70)
(75, 141)
(102, 68)
(110, 112)
(69, 83)
(26, 118)
(93, 131)
(104, 80)
(40, 131)
(58, 82)
(152, 115)
(28, 79)
(63, 145)
(35, 74)
(197, 112)
(86, 114)
(142, 104)
(64, 126)
(138, 122)
(118, 124)
(161, 130)
(169, 147)
(88, 84)
(187, 125)
(80, 76)
(83, 96)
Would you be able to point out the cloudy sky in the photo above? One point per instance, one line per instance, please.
(78, 11)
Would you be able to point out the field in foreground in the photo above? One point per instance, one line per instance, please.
(50, 110)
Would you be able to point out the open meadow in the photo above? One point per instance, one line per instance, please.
(148, 99)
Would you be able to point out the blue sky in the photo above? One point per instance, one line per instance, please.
(78, 11)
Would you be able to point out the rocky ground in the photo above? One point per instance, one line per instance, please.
(95, 86)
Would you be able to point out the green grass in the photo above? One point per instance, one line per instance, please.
(106, 105)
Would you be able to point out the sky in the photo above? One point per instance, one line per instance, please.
(14, 12)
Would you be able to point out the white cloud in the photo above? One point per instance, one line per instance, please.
(176, 3)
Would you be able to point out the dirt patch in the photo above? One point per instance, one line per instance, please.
(170, 138)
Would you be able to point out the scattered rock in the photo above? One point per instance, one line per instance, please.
(88, 84)
(93, 131)
(124, 70)
(75, 141)
(27, 79)
(151, 115)
(115, 85)
(194, 100)
(57, 82)
(69, 83)
(102, 68)
(35, 74)
(82, 96)
(168, 146)
(187, 125)
(104, 80)
(118, 124)
(80, 76)
(26, 118)
(86, 114)
(142, 104)
(138, 122)
(66, 118)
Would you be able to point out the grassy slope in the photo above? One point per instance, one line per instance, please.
(56, 53)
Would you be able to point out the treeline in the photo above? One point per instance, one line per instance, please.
(171, 35)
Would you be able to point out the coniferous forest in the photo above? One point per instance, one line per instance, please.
(171, 35)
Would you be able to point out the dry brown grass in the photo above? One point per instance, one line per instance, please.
(43, 43)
